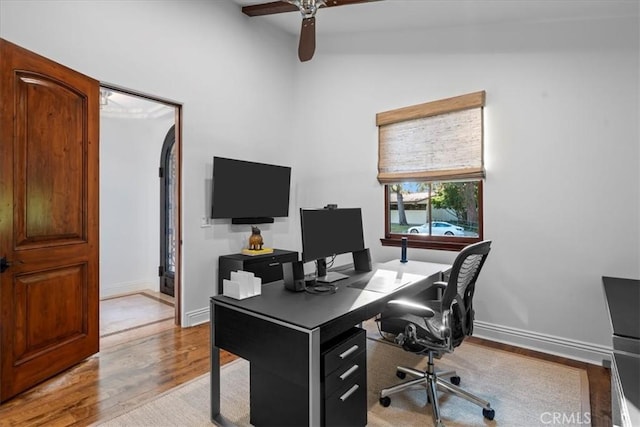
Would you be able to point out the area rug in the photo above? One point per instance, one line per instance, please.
(524, 391)
(132, 311)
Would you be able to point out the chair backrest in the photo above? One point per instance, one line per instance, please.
(461, 286)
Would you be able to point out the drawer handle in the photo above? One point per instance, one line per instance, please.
(349, 372)
(348, 352)
(273, 264)
(349, 392)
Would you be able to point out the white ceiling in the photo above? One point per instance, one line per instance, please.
(389, 16)
(401, 15)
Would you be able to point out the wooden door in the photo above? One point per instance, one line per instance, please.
(168, 208)
(49, 292)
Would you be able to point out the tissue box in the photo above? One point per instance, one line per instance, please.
(242, 284)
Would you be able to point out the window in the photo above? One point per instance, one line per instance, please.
(430, 160)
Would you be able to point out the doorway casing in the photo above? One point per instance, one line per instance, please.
(177, 226)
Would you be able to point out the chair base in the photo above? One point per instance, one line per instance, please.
(431, 380)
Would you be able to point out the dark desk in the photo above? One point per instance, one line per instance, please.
(283, 335)
(622, 297)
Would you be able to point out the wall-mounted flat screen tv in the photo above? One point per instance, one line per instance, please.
(249, 192)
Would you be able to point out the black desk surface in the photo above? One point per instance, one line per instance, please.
(310, 311)
(623, 298)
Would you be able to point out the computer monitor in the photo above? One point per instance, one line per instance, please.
(330, 232)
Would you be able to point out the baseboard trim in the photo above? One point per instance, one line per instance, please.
(125, 288)
(196, 317)
(573, 349)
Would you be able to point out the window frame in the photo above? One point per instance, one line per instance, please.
(431, 242)
(418, 112)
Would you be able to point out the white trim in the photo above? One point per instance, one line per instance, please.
(126, 288)
(572, 349)
(196, 317)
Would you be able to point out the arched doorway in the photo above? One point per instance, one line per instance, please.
(168, 206)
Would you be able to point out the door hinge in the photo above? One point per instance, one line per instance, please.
(160, 271)
(161, 172)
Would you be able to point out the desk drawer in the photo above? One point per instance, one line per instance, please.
(346, 373)
(344, 352)
(269, 270)
(347, 406)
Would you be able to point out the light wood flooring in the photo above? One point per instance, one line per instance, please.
(131, 311)
(141, 362)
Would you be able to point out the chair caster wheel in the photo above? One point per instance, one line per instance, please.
(455, 380)
(488, 413)
(401, 375)
(385, 401)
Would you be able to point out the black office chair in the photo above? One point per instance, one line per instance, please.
(437, 327)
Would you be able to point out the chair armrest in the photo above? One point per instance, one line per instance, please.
(412, 308)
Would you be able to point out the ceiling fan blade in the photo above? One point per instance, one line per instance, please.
(269, 8)
(282, 6)
(331, 3)
(307, 45)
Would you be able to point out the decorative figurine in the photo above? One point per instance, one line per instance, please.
(255, 241)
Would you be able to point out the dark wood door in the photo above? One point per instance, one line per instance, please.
(168, 209)
(49, 292)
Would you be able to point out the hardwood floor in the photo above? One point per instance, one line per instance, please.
(138, 364)
(134, 310)
(133, 365)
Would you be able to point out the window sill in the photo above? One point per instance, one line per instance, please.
(436, 243)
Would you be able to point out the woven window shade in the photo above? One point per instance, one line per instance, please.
(438, 141)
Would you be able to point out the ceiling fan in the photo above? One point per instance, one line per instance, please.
(308, 9)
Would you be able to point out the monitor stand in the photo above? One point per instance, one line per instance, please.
(325, 276)
(331, 276)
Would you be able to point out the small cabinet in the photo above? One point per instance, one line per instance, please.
(344, 380)
(268, 266)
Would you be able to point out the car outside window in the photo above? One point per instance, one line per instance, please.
(436, 215)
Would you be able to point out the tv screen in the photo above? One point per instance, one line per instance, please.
(328, 232)
(246, 190)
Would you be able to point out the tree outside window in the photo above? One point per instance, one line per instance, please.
(441, 210)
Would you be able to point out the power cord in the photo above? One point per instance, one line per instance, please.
(328, 264)
(384, 336)
(321, 289)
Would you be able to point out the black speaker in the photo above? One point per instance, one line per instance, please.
(362, 260)
(293, 275)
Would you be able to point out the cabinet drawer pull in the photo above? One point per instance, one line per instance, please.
(348, 352)
(349, 392)
(273, 264)
(348, 372)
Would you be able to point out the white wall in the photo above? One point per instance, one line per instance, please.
(561, 137)
(130, 202)
(232, 76)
